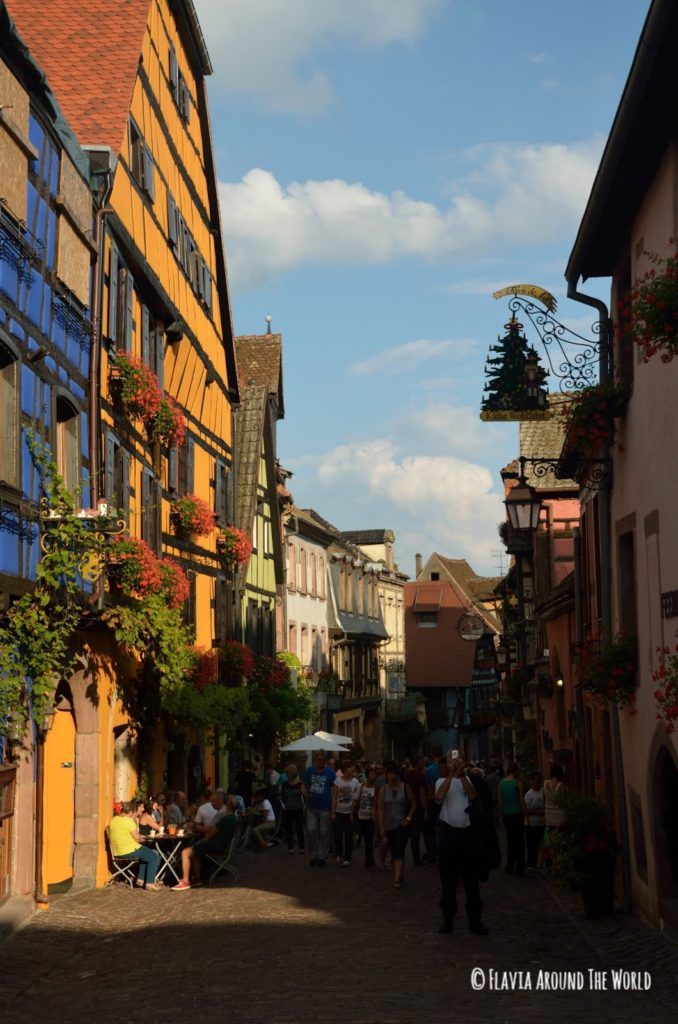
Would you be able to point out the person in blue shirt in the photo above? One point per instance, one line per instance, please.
(318, 782)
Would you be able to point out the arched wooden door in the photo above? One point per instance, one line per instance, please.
(59, 802)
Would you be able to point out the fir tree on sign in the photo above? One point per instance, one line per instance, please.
(515, 379)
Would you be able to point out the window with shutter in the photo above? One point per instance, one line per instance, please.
(221, 630)
(158, 353)
(136, 153)
(207, 287)
(150, 512)
(109, 468)
(173, 470)
(67, 440)
(9, 416)
(113, 287)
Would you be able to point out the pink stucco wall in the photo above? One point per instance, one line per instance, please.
(645, 500)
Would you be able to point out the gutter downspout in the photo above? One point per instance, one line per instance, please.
(94, 418)
(605, 543)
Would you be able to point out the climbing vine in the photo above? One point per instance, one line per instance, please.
(36, 635)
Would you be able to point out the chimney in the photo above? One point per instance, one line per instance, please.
(417, 566)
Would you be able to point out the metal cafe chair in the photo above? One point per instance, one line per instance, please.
(227, 861)
(122, 868)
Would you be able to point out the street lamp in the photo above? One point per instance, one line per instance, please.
(522, 504)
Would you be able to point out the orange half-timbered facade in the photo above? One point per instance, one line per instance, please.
(160, 301)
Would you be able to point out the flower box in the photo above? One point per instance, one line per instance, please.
(234, 547)
(192, 517)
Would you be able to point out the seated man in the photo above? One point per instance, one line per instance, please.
(125, 845)
(206, 814)
(264, 807)
(175, 812)
(217, 841)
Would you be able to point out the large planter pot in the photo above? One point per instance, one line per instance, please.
(597, 889)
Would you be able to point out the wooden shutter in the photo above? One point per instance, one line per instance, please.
(126, 460)
(207, 287)
(172, 220)
(145, 506)
(109, 467)
(159, 350)
(129, 311)
(173, 470)
(190, 465)
(174, 70)
(218, 490)
(146, 337)
(113, 275)
(148, 173)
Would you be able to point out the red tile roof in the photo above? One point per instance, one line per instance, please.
(259, 359)
(90, 54)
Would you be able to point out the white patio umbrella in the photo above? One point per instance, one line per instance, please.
(333, 737)
(311, 743)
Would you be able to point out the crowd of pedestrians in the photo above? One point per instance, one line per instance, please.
(330, 809)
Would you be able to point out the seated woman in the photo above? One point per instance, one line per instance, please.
(146, 823)
(125, 842)
(264, 807)
(158, 808)
(216, 841)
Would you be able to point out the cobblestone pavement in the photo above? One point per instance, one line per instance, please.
(298, 945)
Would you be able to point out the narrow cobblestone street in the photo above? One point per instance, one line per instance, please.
(294, 945)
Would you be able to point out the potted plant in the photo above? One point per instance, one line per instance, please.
(650, 311)
(136, 569)
(175, 583)
(609, 669)
(192, 516)
(234, 547)
(584, 851)
(666, 694)
(269, 673)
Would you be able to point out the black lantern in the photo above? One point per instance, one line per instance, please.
(522, 504)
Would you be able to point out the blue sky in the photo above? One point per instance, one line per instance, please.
(384, 166)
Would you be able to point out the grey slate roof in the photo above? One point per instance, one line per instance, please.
(368, 537)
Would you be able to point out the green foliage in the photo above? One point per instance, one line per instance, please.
(290, 660)
(36, 638)
(279, 714)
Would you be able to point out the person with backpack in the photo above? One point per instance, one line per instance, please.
(292, 802)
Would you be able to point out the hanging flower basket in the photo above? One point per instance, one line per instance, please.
(168, 425)
(589, 416)
(192, 516)
(137, 572)
(234, 547)
(650, 312)
(205, 669)
(137, 386)
(236, 662)
(610, 670)
(137, 569)
(666, 694)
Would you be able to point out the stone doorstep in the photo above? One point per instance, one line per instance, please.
(15, 911)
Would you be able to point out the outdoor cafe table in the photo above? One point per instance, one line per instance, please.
(168, 847)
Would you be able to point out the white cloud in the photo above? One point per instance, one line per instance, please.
(439, 427)
(548, 84)
(442, 500)
(263, 48)
(533, 193)
(474, 286)
(537, 58)
(407, 356)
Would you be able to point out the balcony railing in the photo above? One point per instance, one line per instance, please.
(366, 689)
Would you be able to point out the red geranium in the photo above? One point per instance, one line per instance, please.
(234, 546)
(237, 662)
(205, 669)
(169, 425)
(174, 582)
(139, 388)
(666, 694)
(269, 673)
(139, 571)
(650, 310)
